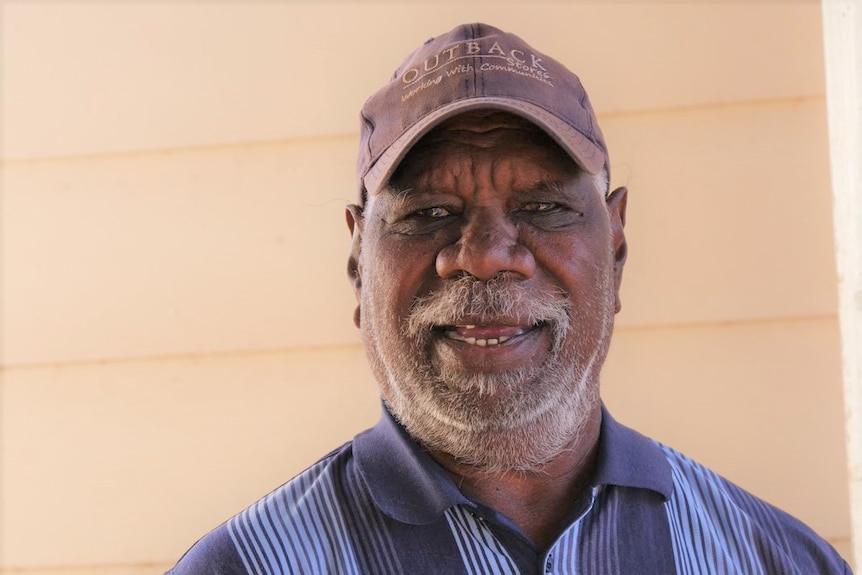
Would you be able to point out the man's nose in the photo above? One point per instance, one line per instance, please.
(487, 246)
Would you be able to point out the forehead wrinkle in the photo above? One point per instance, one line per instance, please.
(436, 170)
(447, 158)
(562, 187)
(539, 177)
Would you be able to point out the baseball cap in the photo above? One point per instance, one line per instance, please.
(474, 66)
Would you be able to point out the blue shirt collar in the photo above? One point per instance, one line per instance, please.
(409, 486)
(628, 459)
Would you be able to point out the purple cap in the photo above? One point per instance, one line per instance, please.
(474, 66)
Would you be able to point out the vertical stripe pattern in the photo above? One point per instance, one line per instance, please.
(328, 520)
(716, 527)
(313, 525)
(480, 550)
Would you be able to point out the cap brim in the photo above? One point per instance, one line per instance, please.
(585, 152)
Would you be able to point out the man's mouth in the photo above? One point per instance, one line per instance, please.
(485, 335)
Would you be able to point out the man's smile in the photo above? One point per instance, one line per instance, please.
(486, 335)
(493, 346)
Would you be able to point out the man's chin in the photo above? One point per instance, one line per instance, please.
(492, 448)
(489, 387)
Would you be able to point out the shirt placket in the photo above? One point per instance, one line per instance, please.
(554, 561)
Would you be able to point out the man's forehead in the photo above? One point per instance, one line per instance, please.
(481, 131)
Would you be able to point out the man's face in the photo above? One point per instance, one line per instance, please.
(487, 275)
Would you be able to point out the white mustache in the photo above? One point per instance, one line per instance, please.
(500, 300)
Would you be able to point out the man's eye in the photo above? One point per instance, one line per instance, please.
(422, 221)
(541, 207)
(431, 213)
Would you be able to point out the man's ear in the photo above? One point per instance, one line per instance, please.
(616, 204)
(355, 223)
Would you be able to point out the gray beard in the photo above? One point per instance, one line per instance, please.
(515, 420)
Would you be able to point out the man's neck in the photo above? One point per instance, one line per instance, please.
(537, 502)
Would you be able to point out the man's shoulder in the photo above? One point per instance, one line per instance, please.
(315, 488)
(227, 549)
(707, 505)
(213, 554)
(696, 484)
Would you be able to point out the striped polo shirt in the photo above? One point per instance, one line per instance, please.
(381, 505)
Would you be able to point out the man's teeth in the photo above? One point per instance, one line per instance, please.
(477, 341)
(481, 342)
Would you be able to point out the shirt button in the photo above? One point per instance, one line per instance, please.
(548, 564)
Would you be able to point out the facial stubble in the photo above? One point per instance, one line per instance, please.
(500, 421)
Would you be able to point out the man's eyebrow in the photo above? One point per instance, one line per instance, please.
(544, 186)
(562, 189)
(397, 197)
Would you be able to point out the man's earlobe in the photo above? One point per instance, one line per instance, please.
(353, 214)
(616, 204)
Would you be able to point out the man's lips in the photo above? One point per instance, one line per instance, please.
(485, 335)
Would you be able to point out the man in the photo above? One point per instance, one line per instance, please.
(486, 257)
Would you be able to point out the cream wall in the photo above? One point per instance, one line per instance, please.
(177, 335)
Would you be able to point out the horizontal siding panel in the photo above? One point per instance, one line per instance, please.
(729, 220)
(760, 403)
(89, 79)
(729, 214)
(153, 454)
(132, 462)
(93, 570)
(173, 254)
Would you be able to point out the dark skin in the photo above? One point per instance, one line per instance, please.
(537, 502)
(484, 194)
